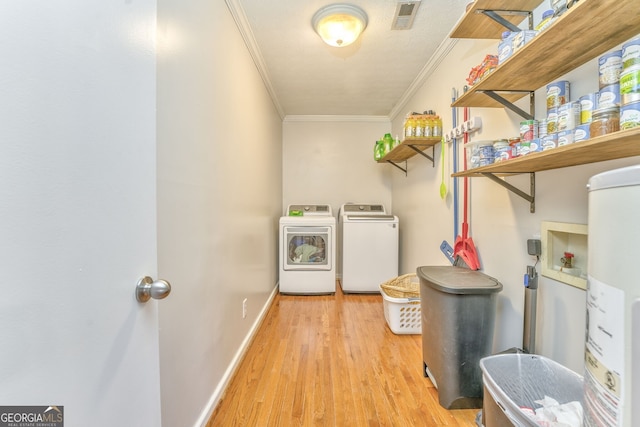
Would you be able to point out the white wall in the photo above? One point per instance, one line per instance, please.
(500, 222)
(329, 159)
(219, 200)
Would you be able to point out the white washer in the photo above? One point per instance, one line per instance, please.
(369, 238)
(307, 250)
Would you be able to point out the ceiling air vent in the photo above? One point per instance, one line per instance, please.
(405, 12)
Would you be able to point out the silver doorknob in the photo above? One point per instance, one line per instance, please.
(148, 288)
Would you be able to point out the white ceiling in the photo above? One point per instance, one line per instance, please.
(373, 76)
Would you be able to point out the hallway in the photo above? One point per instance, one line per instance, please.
(332, 361)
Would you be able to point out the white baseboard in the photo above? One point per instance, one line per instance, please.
(235, 362)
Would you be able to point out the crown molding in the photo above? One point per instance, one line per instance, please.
(242, 23)
(335, 118)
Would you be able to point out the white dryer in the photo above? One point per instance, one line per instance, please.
(370, 241)
(307, 250)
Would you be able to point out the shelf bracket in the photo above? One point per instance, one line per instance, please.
(400, 167)
(528, 116)
(531, 198)
(496, 15)
(419, 151)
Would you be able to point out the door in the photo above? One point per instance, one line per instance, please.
(307, 248)
(78, 210)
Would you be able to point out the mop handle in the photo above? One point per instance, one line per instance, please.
(466, 140)
(454, 119)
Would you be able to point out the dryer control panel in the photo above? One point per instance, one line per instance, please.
(302, 210)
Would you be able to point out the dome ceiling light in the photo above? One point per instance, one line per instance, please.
(339, 25)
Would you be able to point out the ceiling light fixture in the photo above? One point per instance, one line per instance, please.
(339, 25)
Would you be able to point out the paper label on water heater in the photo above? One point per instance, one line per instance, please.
(604, 354)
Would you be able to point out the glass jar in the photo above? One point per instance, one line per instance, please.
(604, 121)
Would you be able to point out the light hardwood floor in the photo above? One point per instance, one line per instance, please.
(332, 361)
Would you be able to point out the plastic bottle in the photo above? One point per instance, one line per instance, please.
(437, 126)
(404, 127)
(410, 128)
(428, 125)
(406, 132)
(420, 122)
(378, 150)
(388, 142)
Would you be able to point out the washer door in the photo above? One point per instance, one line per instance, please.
(307, 248)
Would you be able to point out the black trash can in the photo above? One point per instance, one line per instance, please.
(458, 315)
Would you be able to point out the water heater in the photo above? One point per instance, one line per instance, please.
(612, 382)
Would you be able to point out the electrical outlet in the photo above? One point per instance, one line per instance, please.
(244, 308)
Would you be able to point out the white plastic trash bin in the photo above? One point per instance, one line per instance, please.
(515, 381)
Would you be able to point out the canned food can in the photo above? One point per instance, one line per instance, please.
(549, 142)
(557, 93)
(565, 137)
(485, 153)
(588, 103)
(609, 68)
(535, 145)
(505, 47)
(609, 96)
(630, 116)
(479, 153)
(631, 53)
(521, 38)
(514, 143)
(524, 148)
(581, 133)
(552, 120)
(528, 130)
(542, 128)
(568, 116)
(630, 85)
(501, 151)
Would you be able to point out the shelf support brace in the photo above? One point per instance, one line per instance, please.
(493, 14)
(531, 198)
(419, 151)
(400, 167)
(509, 105)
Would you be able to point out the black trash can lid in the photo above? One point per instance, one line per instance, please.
(458, 280)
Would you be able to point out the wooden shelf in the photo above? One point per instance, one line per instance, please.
(475, 25)
(616, 145)
(587, 30)
(405, 151)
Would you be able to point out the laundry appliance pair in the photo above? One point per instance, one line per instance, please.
(369, 240)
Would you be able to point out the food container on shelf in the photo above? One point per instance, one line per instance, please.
(479, 153)
(605, 121)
